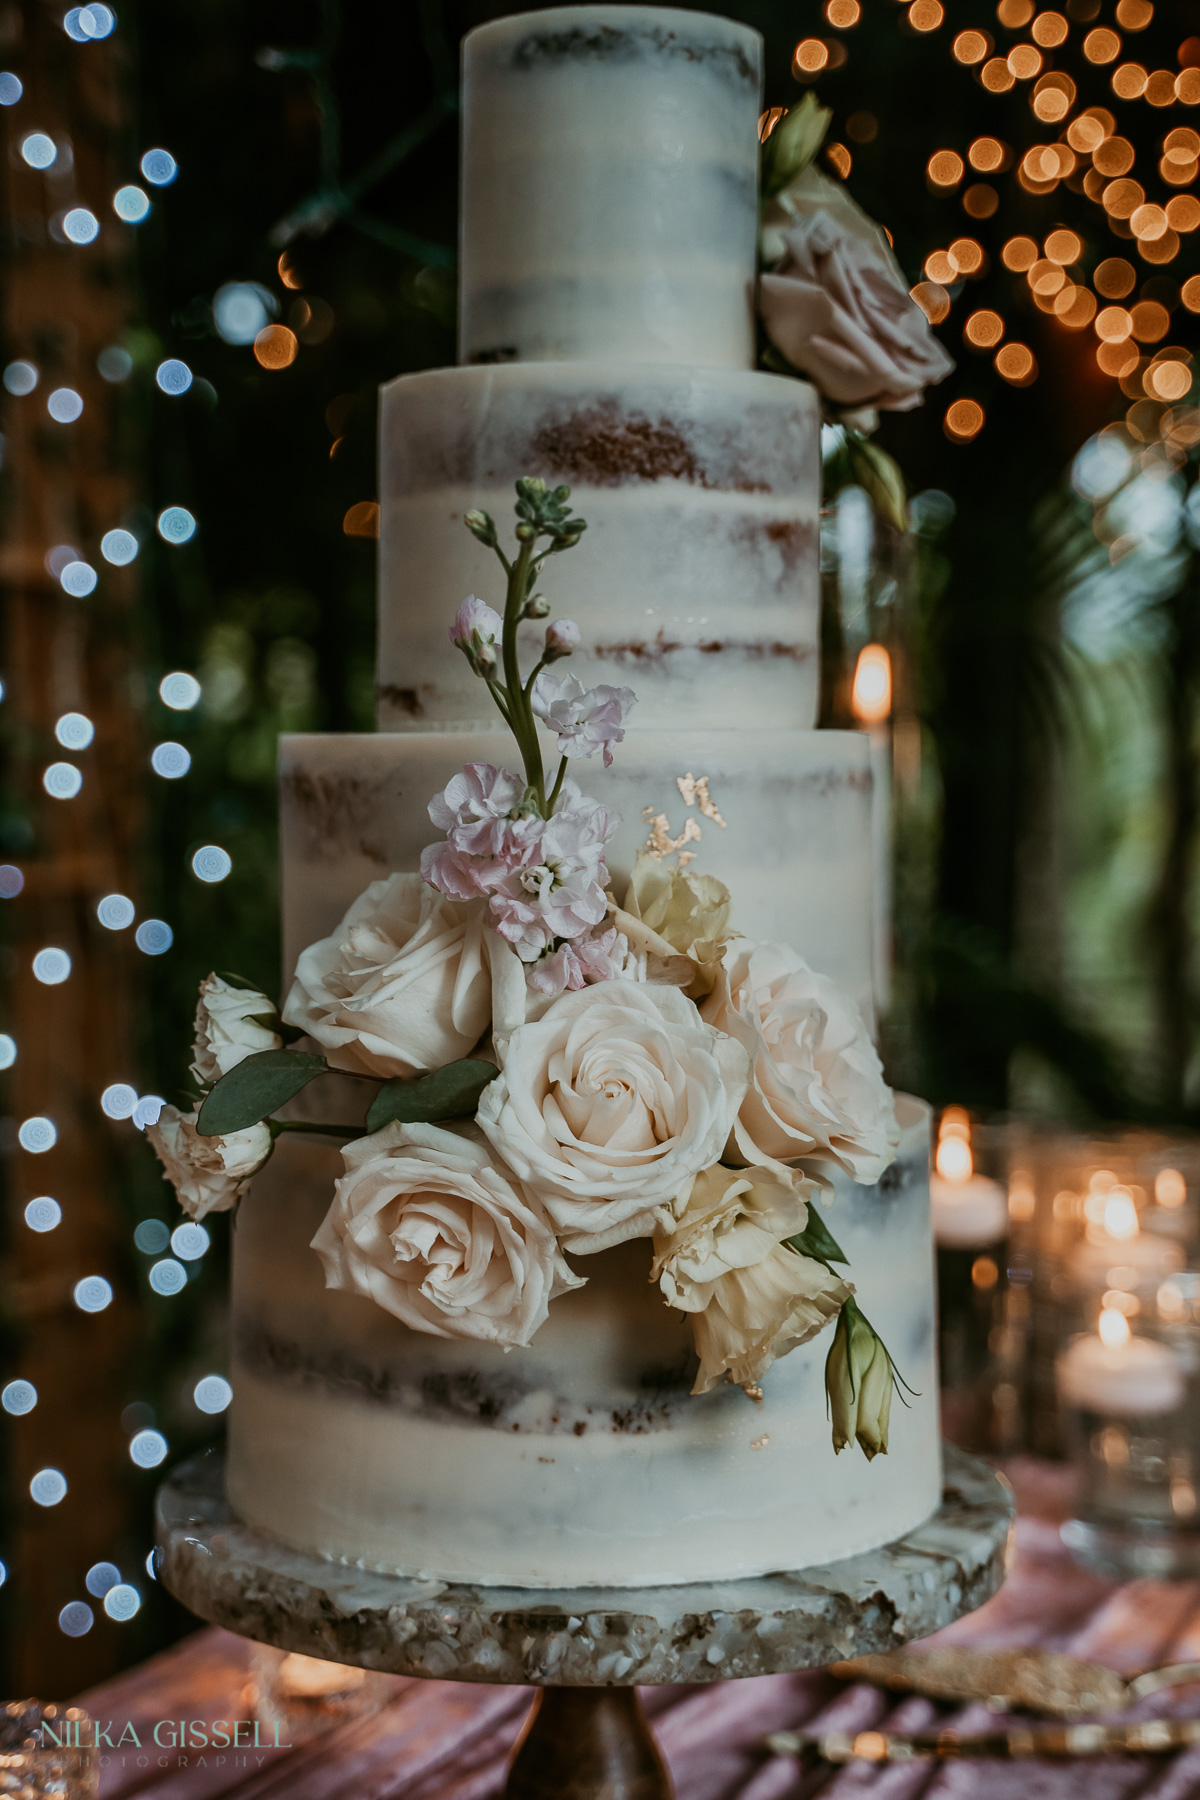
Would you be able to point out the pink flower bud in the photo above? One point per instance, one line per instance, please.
(561, 638)
(475, 630)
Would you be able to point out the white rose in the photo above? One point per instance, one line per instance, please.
(401, 987)
(427, 1225)
(226, 1030)
(609, 1103)
(751, 1298)
(209, 1174)
(817, 1088)
(678, 920)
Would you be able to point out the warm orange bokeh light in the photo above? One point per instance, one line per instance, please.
(1160, 89)
(1046, 277)
(1102, 46)
(288, 272)
(939, 269)
(1014, 13)
(925, 15)
(362, 520)
(1050, 104)
(966, 256)
(1129, 81)
(996, 76)
(971, 47)
(986, 154)
(1150, 321)
(843, 13)
(1134, 15)
(1114, 156)
(933, 301)
(1122, 198)
(1148, 222)
(1159, 250)
(1015, 363)
(1182, 144)
(984, 329)
(1170, 379)
(1187, 87)
(1086, 133)
(980, 200)
(871, 697)
(1183, 212)
(1020, 253)
(1064, 247)
(1075, 307)
(275, 347)
(1113, 324)
(1049, 29)
(1024, 61)
(840, 160)
(964, 420)
(1117, 359)
(1114, 278)
(1190, 293)
(809, 57)
(945, 168)
(1177, 174)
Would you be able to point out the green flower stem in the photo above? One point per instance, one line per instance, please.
(557, 788)
(521, 719)
(276, 1126)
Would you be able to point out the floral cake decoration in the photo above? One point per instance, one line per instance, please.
(551, 1070)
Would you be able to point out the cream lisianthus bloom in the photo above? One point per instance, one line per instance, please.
(670, 914)
(228, 1028)
(426, 1223)
(751, 1298)
(209, 1174)
(817, 1088)
(401, 987)
(609, 1103)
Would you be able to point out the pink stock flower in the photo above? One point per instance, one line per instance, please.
(586, 719)
(476, 630)
(598, 957)
(474, 809)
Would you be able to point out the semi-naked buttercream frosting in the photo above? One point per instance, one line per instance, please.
(608, 259)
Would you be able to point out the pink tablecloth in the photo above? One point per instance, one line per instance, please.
(447, 1741)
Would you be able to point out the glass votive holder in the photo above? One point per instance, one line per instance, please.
(1129, 1404)
(971, 1228)
(47, 1750)
(296, 1697)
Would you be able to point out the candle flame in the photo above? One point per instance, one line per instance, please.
(1120, 1214)
(872, 695)
(954, 1161)
(1170, 1189)
(1113, 1328)
(308, 1677)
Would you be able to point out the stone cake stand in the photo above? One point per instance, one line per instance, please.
(587, 1648)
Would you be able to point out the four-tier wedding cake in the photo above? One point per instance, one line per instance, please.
(631, 1240)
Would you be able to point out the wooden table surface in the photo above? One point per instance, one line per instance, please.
(440, 1740)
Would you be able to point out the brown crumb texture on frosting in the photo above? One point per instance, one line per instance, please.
(631, 43)
(646, 651)
(338, 813)
(605, 447)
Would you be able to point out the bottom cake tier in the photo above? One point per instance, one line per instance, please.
(583, 1460)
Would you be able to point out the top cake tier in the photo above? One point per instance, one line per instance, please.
(610, 188)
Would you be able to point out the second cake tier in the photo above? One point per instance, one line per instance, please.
(792, 840)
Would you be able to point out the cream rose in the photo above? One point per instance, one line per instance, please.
(209, 1174)
(817, 1087)
(227, 1030)
(836, 302)
(401, 987)
(425, 1223)
(670, 914)
(609, 1103)
(751, 1298)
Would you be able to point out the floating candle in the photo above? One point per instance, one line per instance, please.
(1112, 1371)
(969, 1211)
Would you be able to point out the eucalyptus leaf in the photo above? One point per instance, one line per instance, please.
(449, 1093)
(253, 1090)
(817, 1241)
(237, 981)
(793, 144)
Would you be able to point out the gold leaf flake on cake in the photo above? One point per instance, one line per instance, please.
(694, 789)
(660, 843)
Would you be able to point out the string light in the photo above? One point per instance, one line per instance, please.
(945, 168)
(1187, 87)
(1121, 199)
(115, 912)
(1024, 61)
(966, 256)
(65, 406)
(122, 1602)
(925, 15)
(980, 201)
(20, 378)
(1113, 324)
(970, 47)
(176, 525)
(1160, 89)
(212, 1394)
(173, 376)
(1049, 29)
(808, 58)
(1101, 45)
(147, 1449)
(963, 421)
(933, 300)
(38, 150)
(171, 761)
(987, 154)
(276, 347)
(159, 167)
(1085, 134)
(118, 547)
(996, 76)
(43, 1214)
(74, 731)
(1183, 212)
(984, 329)
(1014, 13)
(100, 1578)
(1149, 321)
(1064, 247)
(80, 226)
(154, 937)
(131, 204)
(1129, 81)
(10, 88)
(51, 967)
(1114, 277)
(211, 864)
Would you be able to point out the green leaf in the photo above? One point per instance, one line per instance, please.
(237, 981)
(449, 1093)
(817, 1241)
(255, 1088)
(793, 144)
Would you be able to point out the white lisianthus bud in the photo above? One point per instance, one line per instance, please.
(209, 1174)
(229, 1028)
(561, 638)
(858, 1381)
(538, 607)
